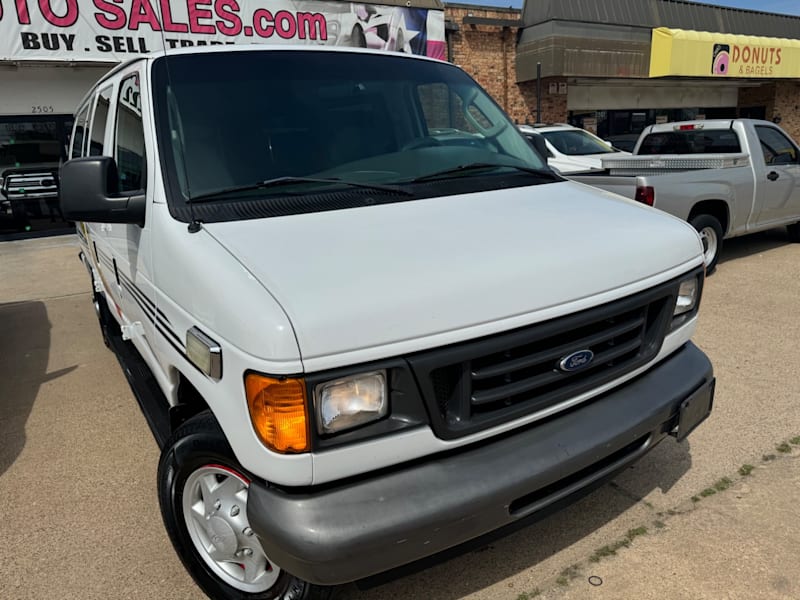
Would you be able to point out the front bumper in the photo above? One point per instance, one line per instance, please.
(337, 534)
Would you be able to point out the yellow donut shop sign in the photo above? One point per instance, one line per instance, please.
(676, 52)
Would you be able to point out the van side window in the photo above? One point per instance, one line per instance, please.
(130, 153)
(777, 148)
(79, 136)
(99, 121)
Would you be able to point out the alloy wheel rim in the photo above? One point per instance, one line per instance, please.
(710, 243)
(215, 512)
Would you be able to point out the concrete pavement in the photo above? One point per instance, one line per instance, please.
(77, 461)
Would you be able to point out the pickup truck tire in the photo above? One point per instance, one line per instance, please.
(202, 491)
(794, 232)
(711, 233)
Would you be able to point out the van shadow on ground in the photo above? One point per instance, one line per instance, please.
(524, 549)
(24, 354)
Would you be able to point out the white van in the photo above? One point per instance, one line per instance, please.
(365, 321)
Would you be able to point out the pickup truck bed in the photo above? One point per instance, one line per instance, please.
(722, 194)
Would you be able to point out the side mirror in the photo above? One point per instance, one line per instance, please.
(90, 192)
(540, 146)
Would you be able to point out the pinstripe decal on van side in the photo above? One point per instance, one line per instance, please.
(156, 316)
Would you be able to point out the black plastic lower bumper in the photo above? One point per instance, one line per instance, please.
(344, 533)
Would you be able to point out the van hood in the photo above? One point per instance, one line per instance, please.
(400, 275)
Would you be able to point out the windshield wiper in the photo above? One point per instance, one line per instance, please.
(545, 173)
(281, 181)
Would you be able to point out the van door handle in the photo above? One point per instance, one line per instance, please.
(773, 175)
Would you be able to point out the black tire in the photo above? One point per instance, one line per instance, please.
(200, 443)
(794, 232)
(706, 224)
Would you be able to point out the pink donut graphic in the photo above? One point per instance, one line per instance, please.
(720, 59)
(721, 64)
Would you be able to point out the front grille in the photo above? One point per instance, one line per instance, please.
(23, 184)
(479, 384)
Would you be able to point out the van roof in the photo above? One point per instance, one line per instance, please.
(151, 56)
(261, 48)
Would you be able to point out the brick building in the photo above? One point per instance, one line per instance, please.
(598, 59)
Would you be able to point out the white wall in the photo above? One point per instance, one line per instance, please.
(676, 94)
(27, 90)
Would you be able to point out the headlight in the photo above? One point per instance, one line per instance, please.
(687, 296)
(351, 401)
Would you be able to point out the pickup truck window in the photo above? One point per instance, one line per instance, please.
(698, 141)
(226, 121)
(777, 148)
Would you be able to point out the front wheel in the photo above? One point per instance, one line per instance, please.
(202, 491)
(711, 233)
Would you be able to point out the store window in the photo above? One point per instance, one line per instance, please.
(131, 158)
(622, 127)
(31, 151)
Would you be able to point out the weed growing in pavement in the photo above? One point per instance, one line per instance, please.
(573, 572)
(609, 550)
(723, 484)
(634, 533)
(529, 595)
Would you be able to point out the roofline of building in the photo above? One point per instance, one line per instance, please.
(733, 8)
(506, 9)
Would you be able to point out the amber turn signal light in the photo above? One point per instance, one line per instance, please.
(278, 412)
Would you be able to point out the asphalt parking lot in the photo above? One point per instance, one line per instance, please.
(77, 462)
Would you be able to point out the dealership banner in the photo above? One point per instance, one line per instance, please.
(115, 30)
(676, 52)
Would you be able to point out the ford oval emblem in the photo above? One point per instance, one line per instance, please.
(576, 361)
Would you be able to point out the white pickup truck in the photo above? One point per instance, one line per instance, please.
(365, 321)
(725, 177)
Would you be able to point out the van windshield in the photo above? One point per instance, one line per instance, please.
(229, 120)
